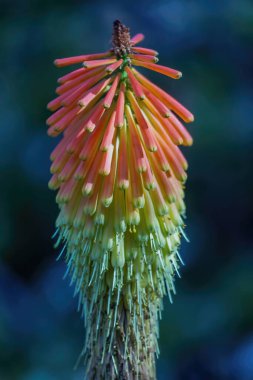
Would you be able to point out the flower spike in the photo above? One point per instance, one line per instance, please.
(120, 179)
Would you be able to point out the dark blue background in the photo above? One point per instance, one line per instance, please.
(208, 332)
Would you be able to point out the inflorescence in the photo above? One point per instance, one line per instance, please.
(120, 179)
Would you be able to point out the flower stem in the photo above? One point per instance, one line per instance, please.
(122, 356)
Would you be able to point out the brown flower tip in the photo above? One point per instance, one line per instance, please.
(121, 40)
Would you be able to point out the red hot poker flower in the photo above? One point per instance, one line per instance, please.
(120, 179)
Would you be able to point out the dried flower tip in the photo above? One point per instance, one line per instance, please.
(121, 40)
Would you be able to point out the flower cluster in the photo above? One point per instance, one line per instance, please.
(120, 179)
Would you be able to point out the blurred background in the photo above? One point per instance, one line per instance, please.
(208, 332)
